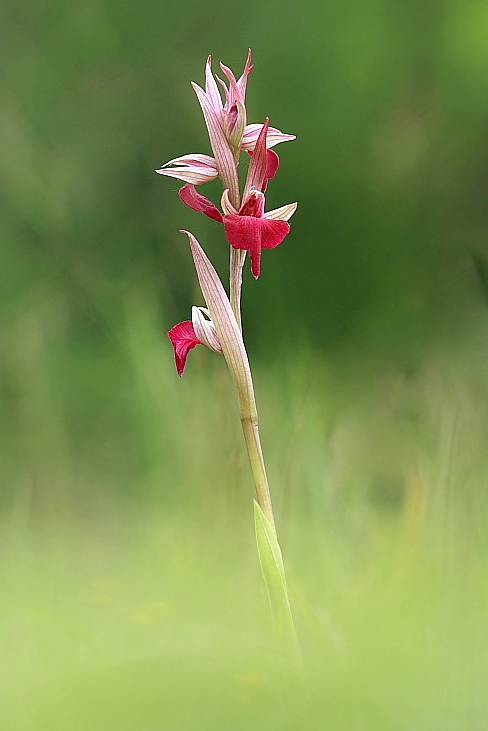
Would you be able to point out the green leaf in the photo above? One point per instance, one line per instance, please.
(273, 570)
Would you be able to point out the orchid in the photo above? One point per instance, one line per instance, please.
(251, 229)
(232, 113)
(190, 333)
(228, 131)
(248, 228)
(199, 169)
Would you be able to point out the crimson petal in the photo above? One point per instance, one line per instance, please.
(198, 202)
(254, 234)
(257, 171)
(183, 338)
(272, 163)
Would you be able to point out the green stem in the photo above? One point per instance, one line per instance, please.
(237, 257)
(247, 400)
(251, 435)
(266, 537)
(233, 348)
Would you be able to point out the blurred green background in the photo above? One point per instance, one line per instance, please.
(131, 594)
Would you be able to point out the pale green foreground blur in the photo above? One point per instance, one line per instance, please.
(131, 597)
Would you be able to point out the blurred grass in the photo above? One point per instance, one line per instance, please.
(131, 592)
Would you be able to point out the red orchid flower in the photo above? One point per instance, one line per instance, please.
(188, 334)
(252, 229)
(183, 339)
(248, 228)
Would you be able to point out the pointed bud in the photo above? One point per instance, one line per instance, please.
(234, 125)
(224, 156)
(256, 174)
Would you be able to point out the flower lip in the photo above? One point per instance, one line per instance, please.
(254, 234)
(252, 230)
(183, 339)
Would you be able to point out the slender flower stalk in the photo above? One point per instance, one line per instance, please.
(237, 257)
(232, 345)
(248, 228)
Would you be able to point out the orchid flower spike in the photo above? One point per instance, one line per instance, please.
(200, 330)
(228, 331)
(248, 227)
(215, 327)
(231, 115)
(218, 325)
(228, 130)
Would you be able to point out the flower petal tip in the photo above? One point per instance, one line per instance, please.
(183, 339)
(198, 202)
